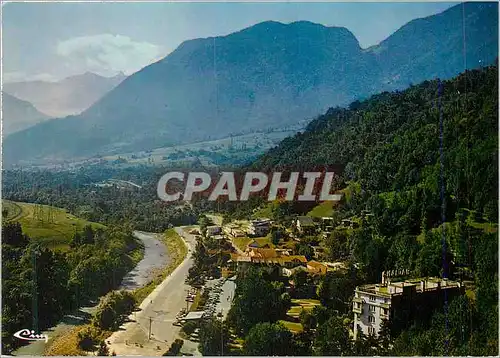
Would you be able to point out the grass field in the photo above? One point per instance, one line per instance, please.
(265, 211)
(294, 327)
(241, 242)
(325, 209)
(52, 226)
(299, 304)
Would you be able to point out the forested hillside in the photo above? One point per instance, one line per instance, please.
(390, 148)
(390, 144)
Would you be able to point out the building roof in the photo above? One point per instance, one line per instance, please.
(316, 264)
(263, 253)
(305, 221)
(194, 315)
(292, 258)
(397, 288)
(261, 220)
(253, 244)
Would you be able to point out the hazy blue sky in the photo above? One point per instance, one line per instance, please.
(55, 40)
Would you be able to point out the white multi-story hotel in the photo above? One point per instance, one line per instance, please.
(374, 303)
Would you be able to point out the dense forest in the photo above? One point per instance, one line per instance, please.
(79, 192)
(390, 144)
(40, 285)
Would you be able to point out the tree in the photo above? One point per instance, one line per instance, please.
(88, 235)
(257, 300)
(12, 234)
(332, 338)
(268, 339)
(86, 339)
(175, 348)
(337, 245)
(103, 349)
(305, 250)
(113, 308)
(214, 338)
(307, 320)
(336, 288)
(189, 327)
(300, 282)
(320, 314)
(302, 343)
(276, 236)
(384, 339)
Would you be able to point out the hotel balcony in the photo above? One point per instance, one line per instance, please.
(357, 305)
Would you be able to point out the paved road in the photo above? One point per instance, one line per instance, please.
(155, 257)
(157, 311)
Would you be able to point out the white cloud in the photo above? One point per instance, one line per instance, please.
(22, 77)
(107, 54)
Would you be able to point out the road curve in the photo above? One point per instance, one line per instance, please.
(155, 257)
(151, 327)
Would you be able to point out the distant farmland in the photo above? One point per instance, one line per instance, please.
(52, 226)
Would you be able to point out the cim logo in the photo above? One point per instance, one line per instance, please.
(29, 335)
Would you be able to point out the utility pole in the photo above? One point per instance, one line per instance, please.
(149, 332)
(34, 254)
(222, 333)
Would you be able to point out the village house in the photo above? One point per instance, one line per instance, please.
(305, 225)
(259, 227)
(318, 251)
(316, 268)
(350, 223)
(287, 272)
(234, 231)
(255, 245)
(270, 258)
(327, 223)
(213, 230)
(410, 299)
(335, 265)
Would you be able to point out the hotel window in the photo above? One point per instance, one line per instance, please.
(372, 298)
(371, 308)
(371, 330)
(371, 319)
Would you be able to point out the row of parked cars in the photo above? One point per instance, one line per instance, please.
(214, 299)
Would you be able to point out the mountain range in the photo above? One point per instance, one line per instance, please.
(69, 96)
(270, 74)
(18, 114)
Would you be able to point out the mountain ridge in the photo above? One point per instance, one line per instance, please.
(213, 87)
(18, 114)
(70, 95)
